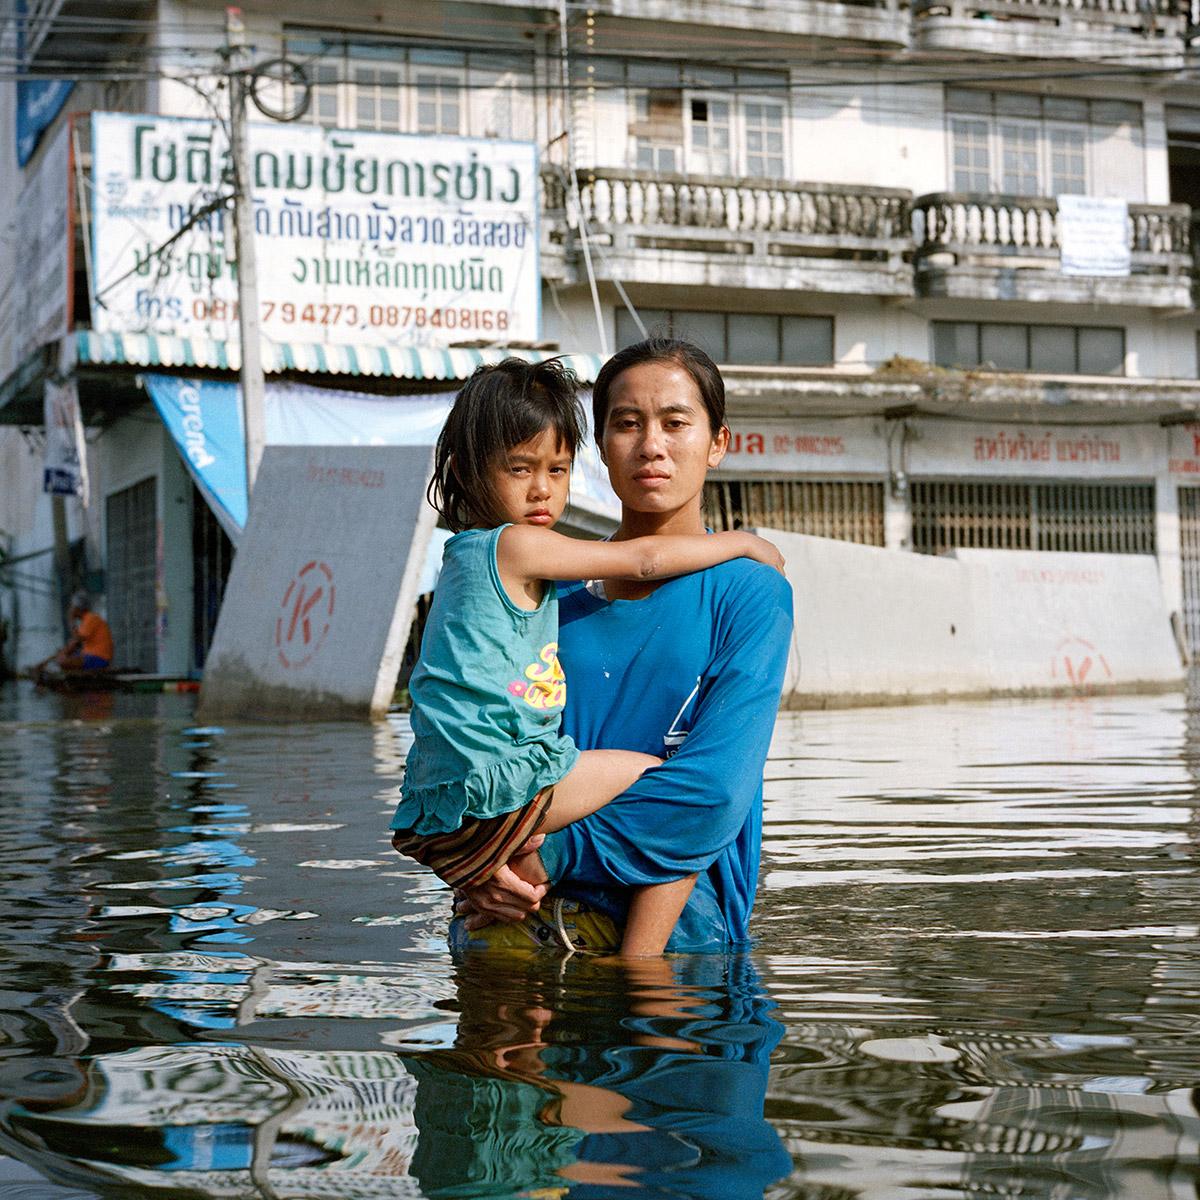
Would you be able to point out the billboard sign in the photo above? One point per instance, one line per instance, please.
(362, 238)
(34, 306)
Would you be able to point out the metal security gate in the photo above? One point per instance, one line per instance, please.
(212, 558)
(131, 521)
(850, 510)
(1100, 518)
(1189, 550)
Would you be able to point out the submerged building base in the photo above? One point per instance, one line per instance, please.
(880, 626)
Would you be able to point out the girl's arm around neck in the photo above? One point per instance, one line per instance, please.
(527, 553)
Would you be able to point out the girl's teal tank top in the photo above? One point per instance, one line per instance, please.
(487, 696)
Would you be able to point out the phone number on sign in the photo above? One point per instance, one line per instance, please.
(382, 316)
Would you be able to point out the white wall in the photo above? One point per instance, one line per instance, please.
(881, 134)
(878, 625)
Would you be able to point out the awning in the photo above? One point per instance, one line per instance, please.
(157, 350)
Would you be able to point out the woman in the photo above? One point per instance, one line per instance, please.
(689, 669)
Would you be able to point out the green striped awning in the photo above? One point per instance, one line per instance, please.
(158, 350)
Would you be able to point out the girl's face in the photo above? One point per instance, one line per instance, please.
(532, 480)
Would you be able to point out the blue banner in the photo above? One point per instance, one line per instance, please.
(205, 419)
(39, 101)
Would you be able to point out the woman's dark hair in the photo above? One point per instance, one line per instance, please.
(683, 354)
(498, 408)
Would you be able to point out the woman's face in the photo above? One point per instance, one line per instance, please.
(658, 443)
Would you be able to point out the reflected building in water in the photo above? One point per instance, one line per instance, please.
(557, 1077)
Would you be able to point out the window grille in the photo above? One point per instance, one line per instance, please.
(1099, 518)
(849, 510)
(1189, 547)
(131, 528)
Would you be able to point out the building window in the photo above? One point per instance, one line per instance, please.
(848, 509)
(764, 138)
(751, 339)
(1019, 159)
(1046, 349)
(1024, 145)
(971, 149)
(376, 97)
(1006, 514)
(711, 149)
(1068, 157)
(323, 108)
(658, 131)
(360, 84)
(702, 120)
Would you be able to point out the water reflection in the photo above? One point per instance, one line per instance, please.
(553, 1077)
(978, 973)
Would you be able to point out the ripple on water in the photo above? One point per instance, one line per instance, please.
(977, 972)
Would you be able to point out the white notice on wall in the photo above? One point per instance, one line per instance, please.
(1093, 235)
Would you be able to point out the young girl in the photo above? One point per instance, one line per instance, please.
(489, 766)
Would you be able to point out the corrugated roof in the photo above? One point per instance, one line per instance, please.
(158, 350)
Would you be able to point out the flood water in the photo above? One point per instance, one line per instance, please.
(977, 973)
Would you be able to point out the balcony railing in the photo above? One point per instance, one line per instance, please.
(759, 218)
(1144, 18)
(868, 20)
(1134, 14)
(860, 239)
(1023, 230)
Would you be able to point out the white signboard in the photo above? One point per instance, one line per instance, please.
(33, 309)
(362, 238)
(808, 447)
(1058, 451)
(64, 470)
(1093, 236)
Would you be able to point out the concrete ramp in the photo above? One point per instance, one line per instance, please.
(320, 599)
(881, 626)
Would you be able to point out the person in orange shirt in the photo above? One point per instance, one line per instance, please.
(90, 647)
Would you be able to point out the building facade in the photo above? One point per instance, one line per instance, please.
(942, 252)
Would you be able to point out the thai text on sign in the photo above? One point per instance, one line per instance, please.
(944, 447)
(783, 446)
(361, 237)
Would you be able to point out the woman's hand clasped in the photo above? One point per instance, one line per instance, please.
(515, 891)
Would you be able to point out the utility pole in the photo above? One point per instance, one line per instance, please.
(574, 199)
(247, 270)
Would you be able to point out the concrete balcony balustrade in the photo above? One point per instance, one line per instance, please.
(1053, 28)
(714, 231)
(989, 247)
(881, 21)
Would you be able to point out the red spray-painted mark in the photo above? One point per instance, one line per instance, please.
(306, 613)
(1078, 662)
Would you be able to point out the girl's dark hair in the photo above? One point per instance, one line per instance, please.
(498, 408)
(683, 354)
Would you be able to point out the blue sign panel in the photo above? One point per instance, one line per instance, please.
(39, 101)
(205, 419)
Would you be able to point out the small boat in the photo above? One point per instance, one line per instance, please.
(110, 679)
